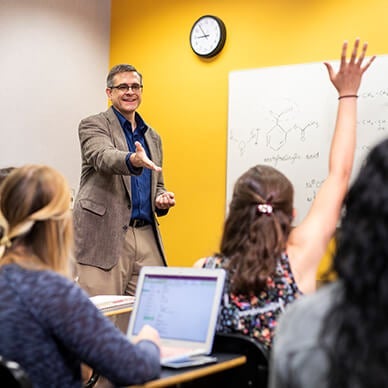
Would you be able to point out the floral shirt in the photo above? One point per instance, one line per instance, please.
(256, 315)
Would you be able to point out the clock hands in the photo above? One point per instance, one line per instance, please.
(202, 36)
(203, 32)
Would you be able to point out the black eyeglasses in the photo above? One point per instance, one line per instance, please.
(124, 88)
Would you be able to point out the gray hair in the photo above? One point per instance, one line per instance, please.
(122, 68)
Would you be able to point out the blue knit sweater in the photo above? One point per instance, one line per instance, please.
(49, 326)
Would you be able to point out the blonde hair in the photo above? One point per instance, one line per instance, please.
(36, 230)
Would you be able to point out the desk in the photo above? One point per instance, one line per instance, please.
(170, 377)
(120, 317)
(118, 312)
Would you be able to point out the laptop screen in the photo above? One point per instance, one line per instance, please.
(180, 303)
(179, 307)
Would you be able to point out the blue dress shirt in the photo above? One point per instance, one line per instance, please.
(140, 184)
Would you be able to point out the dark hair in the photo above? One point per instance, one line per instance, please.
(358, 317)
(122, 68)
(253, 241)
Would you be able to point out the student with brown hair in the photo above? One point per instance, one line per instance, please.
(269, 263)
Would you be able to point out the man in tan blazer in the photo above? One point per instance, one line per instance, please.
(121, 191)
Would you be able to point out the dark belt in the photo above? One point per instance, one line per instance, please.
(138, 223)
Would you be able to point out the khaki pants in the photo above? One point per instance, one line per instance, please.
(140, 249)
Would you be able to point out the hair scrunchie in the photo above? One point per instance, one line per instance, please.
(265, 208)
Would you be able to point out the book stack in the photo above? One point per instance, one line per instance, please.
(108, 303)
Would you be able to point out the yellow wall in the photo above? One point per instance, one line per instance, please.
(186, 98)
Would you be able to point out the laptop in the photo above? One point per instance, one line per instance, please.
(182, 304)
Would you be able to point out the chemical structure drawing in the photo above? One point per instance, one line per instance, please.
(253, 138)
(242, 144)
(276, 136)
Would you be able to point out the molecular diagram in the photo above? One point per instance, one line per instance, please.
(276, 136)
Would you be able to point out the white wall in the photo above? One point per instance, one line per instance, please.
(54, 58)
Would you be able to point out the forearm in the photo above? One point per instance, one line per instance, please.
(99, 344)
(145, 355)
(99, 151)
(344, 139)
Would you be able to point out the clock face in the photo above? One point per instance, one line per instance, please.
(207, 36)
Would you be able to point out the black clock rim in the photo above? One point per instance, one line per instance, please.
(220, 44)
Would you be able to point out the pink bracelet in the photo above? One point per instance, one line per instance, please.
(348, 96)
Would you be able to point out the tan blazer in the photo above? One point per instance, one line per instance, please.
(102, 208)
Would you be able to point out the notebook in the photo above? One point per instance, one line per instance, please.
(108, 303)
(182, 303)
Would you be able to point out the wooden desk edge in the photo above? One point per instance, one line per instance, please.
(116, 312)
(194, 373)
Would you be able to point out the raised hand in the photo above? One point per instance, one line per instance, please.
(348, 78)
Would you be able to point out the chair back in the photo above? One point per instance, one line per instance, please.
(12, 375)
(254, 373)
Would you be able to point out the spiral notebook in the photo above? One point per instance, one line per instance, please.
(182, 303)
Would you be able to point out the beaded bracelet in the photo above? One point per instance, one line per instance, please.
(348, 96)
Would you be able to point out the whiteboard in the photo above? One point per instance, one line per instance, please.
(284, 117)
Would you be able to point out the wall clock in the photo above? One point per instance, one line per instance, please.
(207, 36)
